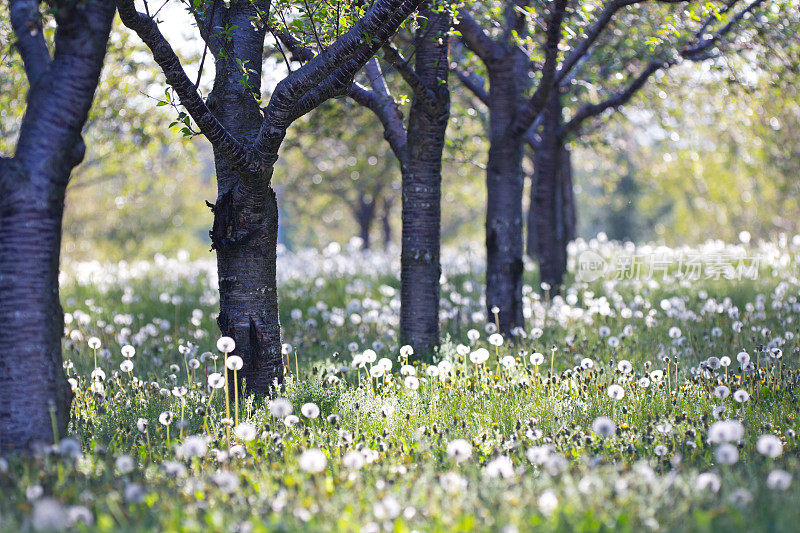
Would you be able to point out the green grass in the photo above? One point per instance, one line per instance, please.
(587, 482)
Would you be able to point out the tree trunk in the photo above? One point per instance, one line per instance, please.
(386, 222)
(32, 381)
(551, 216)
(421, 189)
(245, 235)
(34, 394)
(365, 216)
(504, 186)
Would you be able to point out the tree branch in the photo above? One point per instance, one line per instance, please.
(147, 30)
(330, 72)
(693, 52)
(380, 101)
(620, 98)
(396, 59)
(474, 83)
(536, 103)
(475, 38)
(26, 20)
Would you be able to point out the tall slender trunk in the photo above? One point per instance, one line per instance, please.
(32, 381)
(365, 216)
(245, 237)
(504, 186)
(421, 188)
(34, 394)
(551, 216)
(386, 221)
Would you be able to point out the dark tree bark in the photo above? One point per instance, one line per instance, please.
(246, 140)
(365, 216)
(511, 115)
(34, 393)
(420, 268)
(551, 216)
(418, 147)
(504, 185)
(386, 221)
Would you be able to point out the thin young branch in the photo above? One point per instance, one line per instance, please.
(475, 38)
(329, 73)
(692, 52)
(538, 100)
(147, 30)
(620, 98)
(603, 20)
(396, 59)
(706, 43)
(474, 83)
(26, 20)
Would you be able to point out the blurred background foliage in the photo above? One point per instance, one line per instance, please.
(705, 151)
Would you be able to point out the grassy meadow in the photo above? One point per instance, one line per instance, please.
(647, 404)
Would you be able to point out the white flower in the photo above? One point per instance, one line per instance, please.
(743, 358)
(238, 451)
(313, 461)
(604, 426)
(587, 363)
(479, 356)
(508, 361)
(727, 454)
(79, 514)
(769, 446)
(499, 467)
(280, 407)
(411, 383)
(48, 515)
(193, 446)
(179, 391)
(141, 425)
(94, 343)
(725, 361)
(538, 454)
(408, 370)
(459, 449)
(377, 371)
(741, 396)
(126, 365)
(725, 431)
(674, 332)
(548, 502)
(615, 392)
(234, 362)
(452, 483)
(473, 335)
(708, 481)
(310, 410)
(245, 432)
(495, 339)
(291, 420)
(226, 344)
(369, 356)
(216, 380)
(124, 464)
(432, 371)
(406, 351)
(537, 358)
(69, 448)
(779, 480)
(722, 392)
(625, 366)
(128, 351)
(165, 418)
(353, 460)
